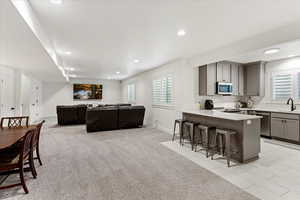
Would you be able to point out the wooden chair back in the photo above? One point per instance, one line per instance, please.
(26, 145)
(36, 137)
(15, 122)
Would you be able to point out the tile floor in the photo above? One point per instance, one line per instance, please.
(276, 175)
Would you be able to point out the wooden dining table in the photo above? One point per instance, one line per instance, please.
(9, 136)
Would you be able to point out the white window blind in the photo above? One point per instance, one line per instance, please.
(131, 93)
(162, 90)
(282, 86)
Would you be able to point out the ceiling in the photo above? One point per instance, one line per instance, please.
(286, 50)
(105, 37)
(21, 49)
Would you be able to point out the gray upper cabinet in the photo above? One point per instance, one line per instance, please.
(207, 79)
(227, 71)
(235, 79)
(241, 79)
(254, 80)
(223, 71)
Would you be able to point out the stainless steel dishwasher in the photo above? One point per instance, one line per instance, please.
(265, 123)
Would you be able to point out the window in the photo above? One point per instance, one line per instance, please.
(131, 93)
(162, 90)
(282, 86)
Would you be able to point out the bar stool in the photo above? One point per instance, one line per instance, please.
(179, 122)
(190, 126)
(220, 133)
(206, 132)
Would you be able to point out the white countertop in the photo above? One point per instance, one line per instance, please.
(297, 112)
(222, 115)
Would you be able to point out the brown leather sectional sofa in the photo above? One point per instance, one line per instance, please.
(71, 115)
(103, 117)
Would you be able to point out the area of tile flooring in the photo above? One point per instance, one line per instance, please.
(276, 175)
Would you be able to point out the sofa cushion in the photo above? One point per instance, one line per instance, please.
(131, 116)
(67, 115)
(102, 119)
(70, 115)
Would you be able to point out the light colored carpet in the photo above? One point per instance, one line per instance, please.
(118, 165)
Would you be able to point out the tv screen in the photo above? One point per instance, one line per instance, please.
(87, 91)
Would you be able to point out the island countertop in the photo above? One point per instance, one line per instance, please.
(246, 142)
(222, 115)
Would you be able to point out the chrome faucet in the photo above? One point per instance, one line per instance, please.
(293, 107)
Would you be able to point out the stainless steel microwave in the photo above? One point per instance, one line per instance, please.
(224, 88)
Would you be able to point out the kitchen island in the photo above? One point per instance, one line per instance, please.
(247, 140)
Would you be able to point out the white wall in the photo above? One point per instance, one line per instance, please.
(278, 66)
(19, 91)
(185, 90)
(62, 94)
(7, 91)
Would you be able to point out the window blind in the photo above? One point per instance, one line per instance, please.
(282, 86)
(131, 93)
(162, 90)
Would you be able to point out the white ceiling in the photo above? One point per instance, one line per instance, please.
(19, 48)
(286, 50)
(107, 36)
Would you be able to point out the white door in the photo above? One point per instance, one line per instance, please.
(7, 105)
(35, 101)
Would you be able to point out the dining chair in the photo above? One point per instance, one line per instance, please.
(36, 141)
(14, 160)
(36, 147)
(15, 122)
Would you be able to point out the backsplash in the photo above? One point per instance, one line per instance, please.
(219, 101)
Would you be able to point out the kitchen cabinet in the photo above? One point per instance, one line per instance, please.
(254, 80)
(207, 79)
(241, 79)
(277, 128)
(223, 71)
(291, 129)
(235, 78)
(285, 126)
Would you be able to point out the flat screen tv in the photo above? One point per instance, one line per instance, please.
(87, 92)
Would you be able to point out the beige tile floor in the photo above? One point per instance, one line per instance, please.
(276, 175)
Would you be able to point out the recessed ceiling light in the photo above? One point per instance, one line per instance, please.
(118, 72)
(136, 61)
(58, 2)
(72, 75)
(181, 32)
(68, 52)
(271, 51)
(292, 55)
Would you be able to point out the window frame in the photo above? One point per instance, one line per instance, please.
(165, 93)
(295, 86)
(131, 86)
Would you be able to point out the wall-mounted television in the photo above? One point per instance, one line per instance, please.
(87, 91)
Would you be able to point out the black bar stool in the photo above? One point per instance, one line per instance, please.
(188, 128)
(225, 133)
(205, 132)
(179, 122)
